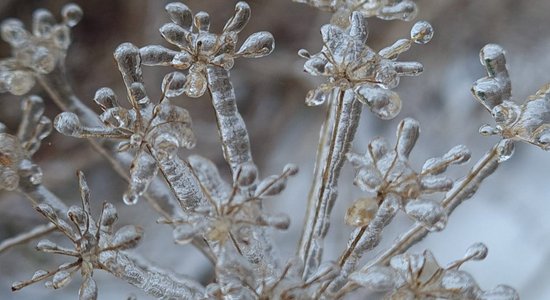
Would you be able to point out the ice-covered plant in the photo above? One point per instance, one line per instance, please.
(226, 218)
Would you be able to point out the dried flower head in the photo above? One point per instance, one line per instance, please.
(383, 9)
(388, 176)
(17, 150)
(419, 276)
(200, 48)
(350, 64)
(94, 243)
(528, 122)
(38, 52)
(150, 130)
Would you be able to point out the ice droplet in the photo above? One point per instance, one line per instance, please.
(361, 212)
(202, 21)
(9, 179)
(109, 214)
(105, 98)
(377, 278)
(196, 84)
(67, 123)
(430, 213)
(20, 82)
(61, 279)
(477, 251)
(13, 32)
(184, 233)
(505, 150)
(72, 14)
(180, 14)
(127, 237)
(42, 22)
(240, 19)
(88, 289)
(130, 198)
(422, 32)
(384, 103)
(173, 84)
(319, 95)
(500, 292)
(258, 44)
(38, 274)
(460, 282)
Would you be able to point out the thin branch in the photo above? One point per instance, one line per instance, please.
(25, 237)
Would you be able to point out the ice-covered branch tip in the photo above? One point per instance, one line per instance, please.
(17, 150)
(383, 9)
(90, 238)
(200, 48)
(152, 131)
(528, 122)
(350, 64)
(386, 173)
(37, 52)
(419, 276)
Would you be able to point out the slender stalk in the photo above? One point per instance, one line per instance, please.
(25, 237)
(336, 137)
(462, 191)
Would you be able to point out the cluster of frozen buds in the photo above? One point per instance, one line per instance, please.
(16, 150)
(227, 214)
(200, 48)
(152, 131)
(528, 122)
(351, 65)
(94, 243)
(387, 175)
(35, 53)
(383, 9)
(419, 276)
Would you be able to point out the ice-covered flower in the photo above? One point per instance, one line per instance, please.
(94, 242)
(350, 64)
(528, 122)
(419, 276)
(200, 48)
(152, 131)
(387, 175)
(17, 150)
(383, 9)
(37, 52)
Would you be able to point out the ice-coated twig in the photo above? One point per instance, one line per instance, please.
(336, 137)
(27, 236)
(461, 191)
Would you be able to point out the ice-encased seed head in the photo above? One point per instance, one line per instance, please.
(422, 32)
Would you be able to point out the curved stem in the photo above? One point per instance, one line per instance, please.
(336, 137)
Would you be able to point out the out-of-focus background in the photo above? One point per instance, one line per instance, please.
(509, 213)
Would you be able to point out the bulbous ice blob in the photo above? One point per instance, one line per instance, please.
(500, 292)
(477, 251)
(377, 278)
(361, 212)
(127, 237)
(68, 123)
(422, 32)
(429, 213)
(72, 14)
(384, 103)
(460, 282)
(259, 44)
(173, 84)
(184, 233)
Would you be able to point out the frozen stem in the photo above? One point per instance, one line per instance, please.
(336, 136)
(25, 237)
